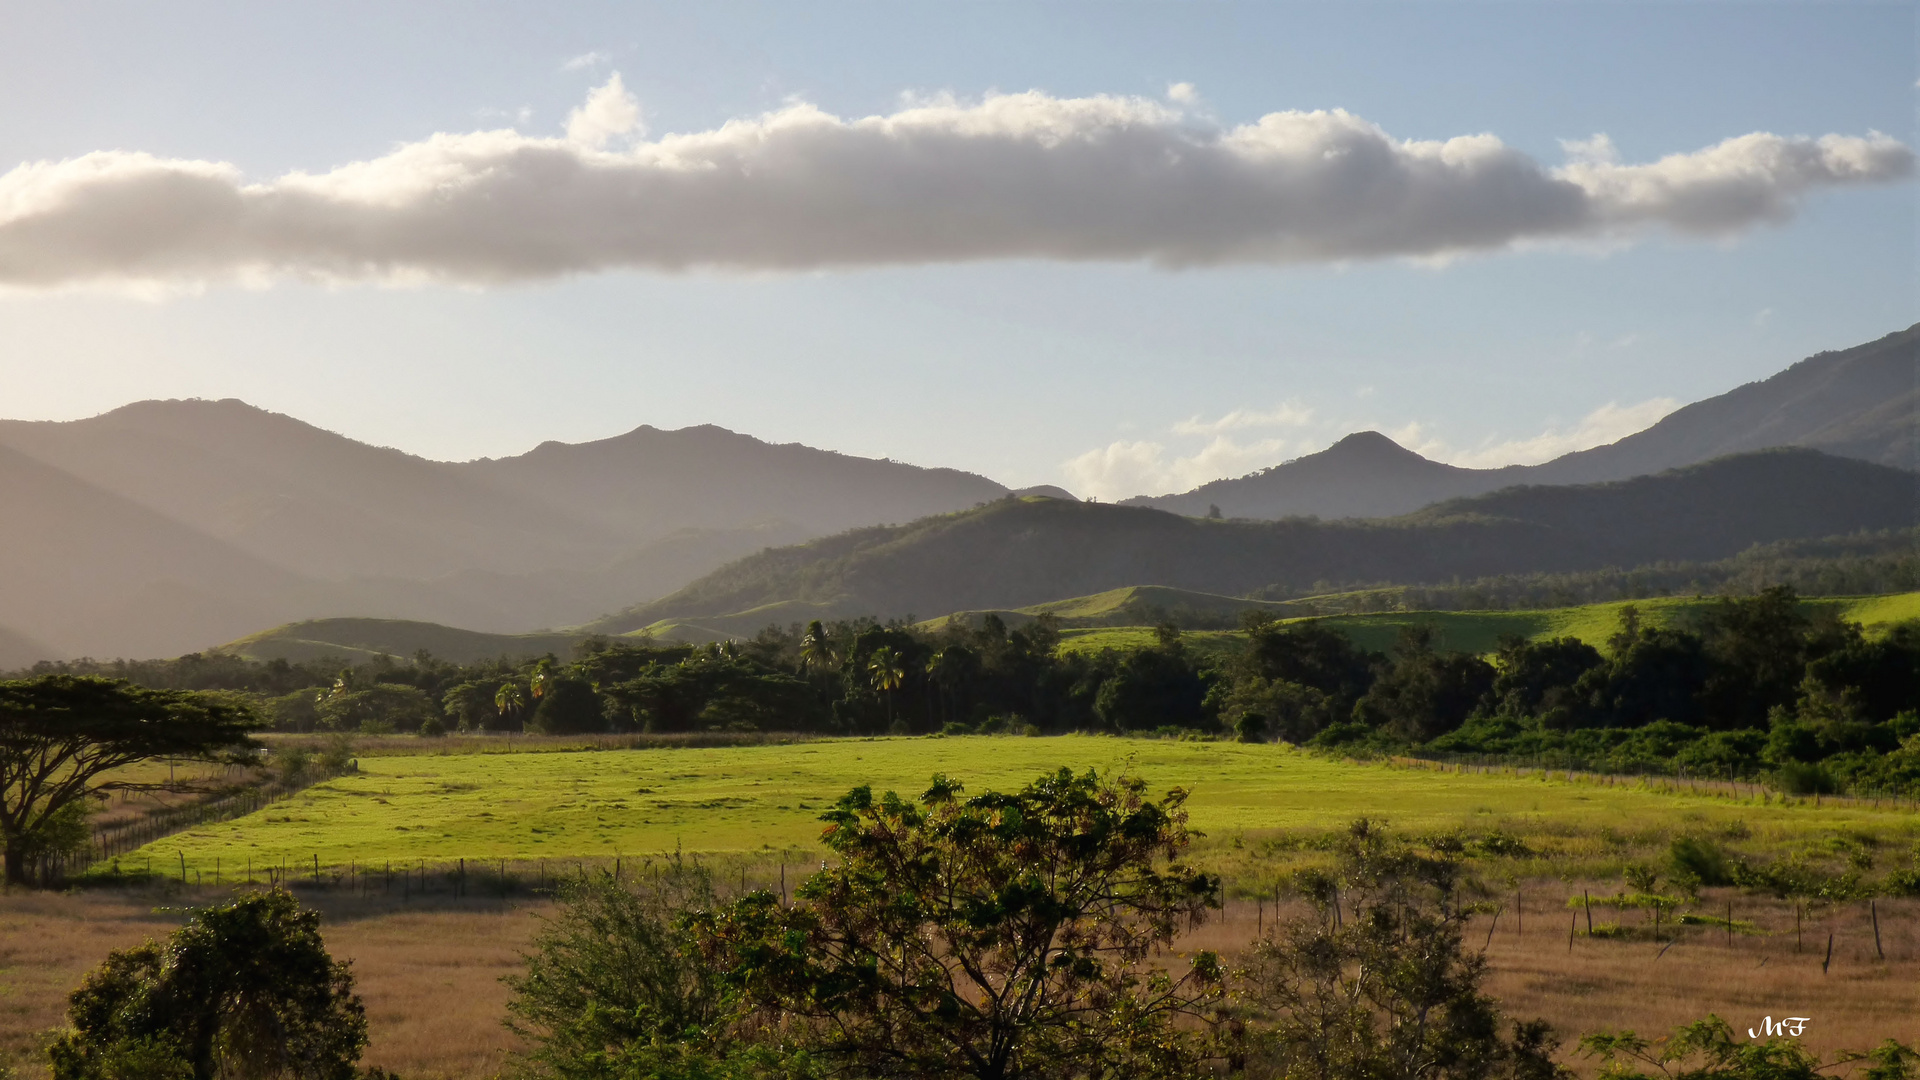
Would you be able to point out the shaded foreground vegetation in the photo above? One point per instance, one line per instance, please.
(1061, 931)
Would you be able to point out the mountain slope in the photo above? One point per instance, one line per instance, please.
(648, 482)
(1857, 403)
(1019, 552)
(83, 570)
(556, 536)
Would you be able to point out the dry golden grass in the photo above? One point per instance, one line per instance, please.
(1602, 983)
(429, 972)
(429, 975)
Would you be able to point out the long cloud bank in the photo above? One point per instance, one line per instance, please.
(1017, 176)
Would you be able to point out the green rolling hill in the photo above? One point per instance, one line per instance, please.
(358, 640)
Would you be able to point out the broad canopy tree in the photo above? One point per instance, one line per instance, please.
(61, 734)
(1007, 935)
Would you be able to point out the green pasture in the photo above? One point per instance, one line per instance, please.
(595, 804)
(1481, 631)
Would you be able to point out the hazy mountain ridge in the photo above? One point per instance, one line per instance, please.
(224, 517)
(1020, 552)
(1857, 402)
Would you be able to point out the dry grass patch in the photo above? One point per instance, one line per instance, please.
(430, 975)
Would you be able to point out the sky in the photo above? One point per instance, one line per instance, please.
(1122, 247)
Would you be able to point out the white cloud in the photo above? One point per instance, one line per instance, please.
(1608, 423)
(1182, 92)
(607, 112)
(1124, 469)
(1287, 414)
(1012, 176)
(586, 61)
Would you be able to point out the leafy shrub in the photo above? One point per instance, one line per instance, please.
(336, 757)
(1702, 860)
(1710, 1049)
(612, 980)
(245, 989)
(1801, 778)
(1385, 988)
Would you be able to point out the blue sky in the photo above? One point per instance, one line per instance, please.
(1109, 373)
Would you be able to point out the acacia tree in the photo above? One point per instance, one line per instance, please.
(60, 734)
(997, 937)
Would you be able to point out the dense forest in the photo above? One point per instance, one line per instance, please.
(1754, 687)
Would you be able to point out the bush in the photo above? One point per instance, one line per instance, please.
(336, 758)
(292, 763)
(1800, 778)
(1251, 728)
(245, 989)
(1702, 860)
(612, 977)
(432, 728)
(1710, 1049)
(1377, 982)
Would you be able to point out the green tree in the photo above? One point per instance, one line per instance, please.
(379, 708)
(1426, 693)
(244, 990)
(1001, 936)
(567, 707)
(61, 734)
(1377, 983)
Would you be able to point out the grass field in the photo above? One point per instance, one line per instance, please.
(598, 804)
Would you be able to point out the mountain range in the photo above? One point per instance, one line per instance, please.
(1857, 403)
(166, 526)
(1024, 551)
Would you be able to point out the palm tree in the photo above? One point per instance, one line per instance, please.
(510, 699)
(816, 650)
(542, 676)
(887, 671)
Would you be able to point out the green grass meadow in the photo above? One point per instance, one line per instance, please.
(1480, 631)
(739, 800)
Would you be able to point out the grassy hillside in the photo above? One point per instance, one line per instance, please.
(1132, 605)
(1018, 553)
(744, 799)
(363, 639)
(1481, 631)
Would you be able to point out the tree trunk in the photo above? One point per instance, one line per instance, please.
(16, 860)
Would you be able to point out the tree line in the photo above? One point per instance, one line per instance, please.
(1754, 686)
